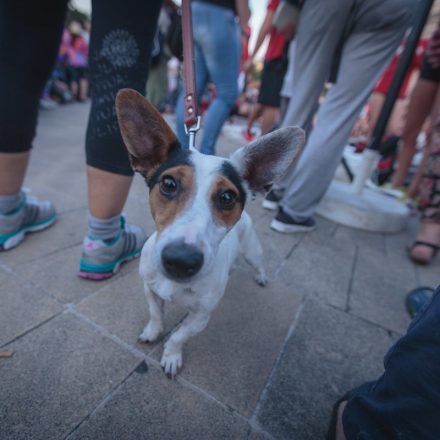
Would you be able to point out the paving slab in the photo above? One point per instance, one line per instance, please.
(380, 284)
(329, 353)
(57, 375)
(122, 309)
(22, 307)
(232, 358)
(372, 240)
(320, 267)
(276, 247)
(57, 274)
(150, 406)
(68, 230)
(429, 275)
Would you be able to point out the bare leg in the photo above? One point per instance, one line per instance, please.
(420, 105)
(376, 102)
(171, 360)
(155, 325)
(12, 172)
(269, 117)
(255, 114)
(107, 192)
(83, 89)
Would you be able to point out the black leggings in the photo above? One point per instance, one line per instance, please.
(119, 53)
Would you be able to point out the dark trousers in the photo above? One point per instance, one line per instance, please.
(119, 53)
(404, 404)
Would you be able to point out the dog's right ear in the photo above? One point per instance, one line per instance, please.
(146, 135)
(266, 159)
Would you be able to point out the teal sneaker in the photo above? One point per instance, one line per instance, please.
(30, 216)
(101, 259)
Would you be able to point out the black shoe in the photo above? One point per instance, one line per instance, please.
(271, 200)
(284, 223)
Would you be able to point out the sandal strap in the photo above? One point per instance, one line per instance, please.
(433, 246)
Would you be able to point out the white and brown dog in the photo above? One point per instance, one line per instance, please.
(197, 204)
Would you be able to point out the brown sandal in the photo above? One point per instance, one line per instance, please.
(434, 247)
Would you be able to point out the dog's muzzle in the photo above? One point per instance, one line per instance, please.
(181, 261)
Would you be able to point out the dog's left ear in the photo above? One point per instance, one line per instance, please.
(146, 135)
(266, 159)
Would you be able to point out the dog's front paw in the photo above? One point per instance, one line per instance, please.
(171, 363)
(151, 333)
(261, 279)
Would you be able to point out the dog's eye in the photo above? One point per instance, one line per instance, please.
(227, 199)
(168, 186)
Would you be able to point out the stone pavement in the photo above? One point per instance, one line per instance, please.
(269, 365)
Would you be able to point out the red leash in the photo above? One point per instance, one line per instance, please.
(191, 119)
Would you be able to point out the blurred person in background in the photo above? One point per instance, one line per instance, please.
(274, 70)
(362, 36)
(77, 63)
(217, 25)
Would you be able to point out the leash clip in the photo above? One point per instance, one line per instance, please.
(191, 132)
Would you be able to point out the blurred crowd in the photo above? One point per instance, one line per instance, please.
(69, 81)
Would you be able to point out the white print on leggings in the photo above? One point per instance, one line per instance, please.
(120, 48)
(114, 63)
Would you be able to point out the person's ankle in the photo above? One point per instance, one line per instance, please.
(103, 229)
(9, 203)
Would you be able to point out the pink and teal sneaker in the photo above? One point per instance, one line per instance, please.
(101, 259)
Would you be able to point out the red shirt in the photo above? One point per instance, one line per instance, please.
(384, 84)
(275, 48)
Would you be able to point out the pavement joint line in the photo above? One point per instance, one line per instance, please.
(101, 404)
(102, 330)
(288, 255)
(118, 276)
(270, 379)
(70, 308)
(352, 273)
(35, 327)
(367, 321)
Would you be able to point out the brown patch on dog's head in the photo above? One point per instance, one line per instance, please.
(167, 204)
(147, 136)
(226, 203)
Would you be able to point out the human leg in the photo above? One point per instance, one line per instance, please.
(365, 53)
(319, 31)
(29, 39)
(420, 105)
(216, 34)
(269, 117)
(427, 242)
(404, 401)
(120, 45)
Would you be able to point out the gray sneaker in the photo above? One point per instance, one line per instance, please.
(30, 216)
(101, 259)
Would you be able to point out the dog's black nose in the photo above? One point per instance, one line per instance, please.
(181, 260)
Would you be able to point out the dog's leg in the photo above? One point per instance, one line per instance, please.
(155, 325)
(252, 251)
(171, 360)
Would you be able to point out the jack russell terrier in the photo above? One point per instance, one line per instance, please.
(197, 204)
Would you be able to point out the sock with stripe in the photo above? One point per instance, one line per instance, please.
(9, 203)
(103, 229)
